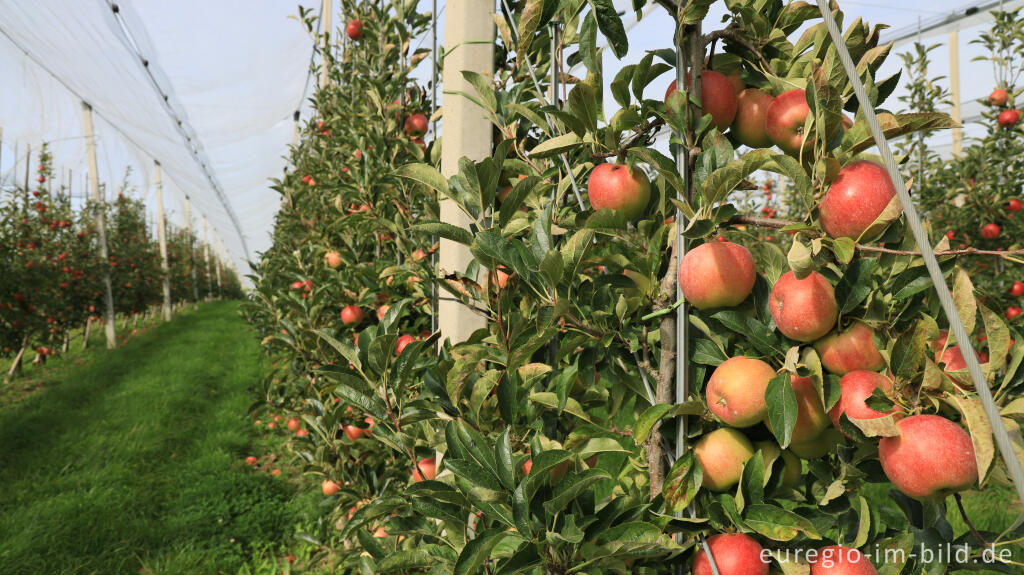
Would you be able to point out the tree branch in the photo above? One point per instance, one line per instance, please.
(643, 135)
(733, 35)
(967, 520)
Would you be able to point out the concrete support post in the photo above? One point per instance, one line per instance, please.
(468, 45)
(161, 234)
(101, 225)
(954, 90)
(191, 251)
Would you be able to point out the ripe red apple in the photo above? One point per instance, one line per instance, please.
(998, 97)
(251, 460)
(619, 187)
(382, 311)
(858, 197)
(721, 455)
(1013, 311)
(748, 127)
(1008, 118)
(734, 553)
(804, 310)
(333, 259)
(294, 424)
(930, 459)
(354, 29)
(784, 122)
(329, 487)
(850, 350)
(402, 342)
(717, 274)
(275, 472)
(1017, 289)
(528, 466)
(428, 466)
(416, 125)
(1014, 205)
(950, 235)
(839, 560)
(856, 387)
(717, 97)
(351, 314)
(735, 392)
(301, 432)
(990, 231)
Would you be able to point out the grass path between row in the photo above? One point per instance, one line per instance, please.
(133, 461)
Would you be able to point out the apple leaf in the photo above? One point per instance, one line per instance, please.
(478, 550)
(611, 26)
(908, 352)
(782, 408)
(778, 524)
(682, 483)
(963, 297)
(980, 429)
(556, 146)
(858, 138)
(878, 427)
(572, 486)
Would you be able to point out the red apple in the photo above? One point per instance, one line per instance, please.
(839, 560)
(717, 274)
(748, 128)
(803, 310)
(721, 455)
(1014, 205)
(1017, 289)
(294, 424)
(329, 487)
(1013, 311)
(416, 125)
(855, 201)
(501, 277)
(1008, 118)
(333, 259)
(998, 97)
(850, 350)
(418, 255)
(301, 432)
(717, 96)
(351, 314)
(735, 391)
(402, 342)
(856, 387)
(734, 553)
(428, 466)
(354, 29)
(382, 311)
(528, 466)
(811, 419)
(950, 235)
(619, 187)
(251, 460)
(784, 122)
(930, 459)
(990, 231)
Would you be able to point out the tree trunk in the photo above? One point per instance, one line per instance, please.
(16, 365)
(85, 333)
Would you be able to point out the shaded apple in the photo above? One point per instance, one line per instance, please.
(428, 467)
(416, 125)
(803, 309)
(855, 388)
(748, 127)
(721, 455)
(717, 274)
(792, 469)
(717, 96)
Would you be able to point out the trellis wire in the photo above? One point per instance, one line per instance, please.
(931, 263)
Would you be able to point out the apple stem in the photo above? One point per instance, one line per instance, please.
(967, 520)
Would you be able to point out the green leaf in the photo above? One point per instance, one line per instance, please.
(682, 483)
(655, 413)
(484, 88)
(725, 179)
(528, 24)
(424, 174)
(611, 26)
(447, 231)
(588, 43)
(963, 297)
(777, 523)
(782, 408)
(473, 473)
(981, 432)
(695, 11)
(858, 138)
(555, 146)
(908, 352)
(583, 103)
(572, 487)
(503, 457)
(370, 404)
(550, 399)
(478, 551)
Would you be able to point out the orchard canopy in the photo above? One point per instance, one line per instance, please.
(557, 286)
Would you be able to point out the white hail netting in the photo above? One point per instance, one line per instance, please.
(234, 73)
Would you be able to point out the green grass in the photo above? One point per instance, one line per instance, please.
(134, 459)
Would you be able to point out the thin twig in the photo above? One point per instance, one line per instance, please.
(642, 138)
(732, 34)
(967, 520)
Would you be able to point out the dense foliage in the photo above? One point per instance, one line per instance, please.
(547, 442)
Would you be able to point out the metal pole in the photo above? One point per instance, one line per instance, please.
(191, 251)
(954, 89)
(433, 132)
(161, 234)
(101, 226)
(326, 14)
(1013, 465)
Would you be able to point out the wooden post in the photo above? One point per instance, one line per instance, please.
(206, 258)
(101, 226)
(191, 251)
(161, 234)
(468, 45)
(954, 90)
(326, 14)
